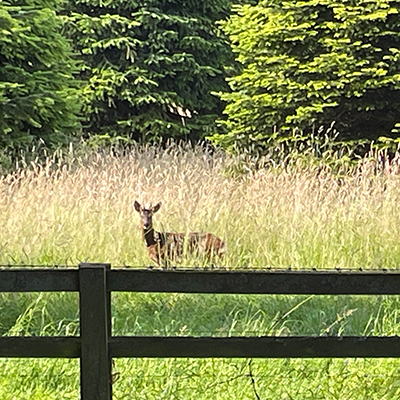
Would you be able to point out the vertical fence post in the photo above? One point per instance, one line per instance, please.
(95, 331)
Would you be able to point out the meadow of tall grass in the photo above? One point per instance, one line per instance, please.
(299, 215)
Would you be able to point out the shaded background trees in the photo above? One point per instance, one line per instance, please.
(149, 68)
(39, 98)
(151, 72)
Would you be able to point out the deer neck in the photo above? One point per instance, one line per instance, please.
(150, 236)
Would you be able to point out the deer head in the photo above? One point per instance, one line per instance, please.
(146, 215)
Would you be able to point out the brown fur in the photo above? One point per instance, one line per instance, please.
(166, 247)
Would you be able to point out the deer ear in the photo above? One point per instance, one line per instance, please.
(156, 207)
(137, 206)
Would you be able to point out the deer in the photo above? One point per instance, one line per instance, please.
(167, 247)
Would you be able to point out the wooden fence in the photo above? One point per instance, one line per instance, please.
(96, 347)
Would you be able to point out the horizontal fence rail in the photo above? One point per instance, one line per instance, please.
(335, 282)
(40, 347)
(209, 347)
(256, 347)
(255, 282)
(39, 280)
(95, 347)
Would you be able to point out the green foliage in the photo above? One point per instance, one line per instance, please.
(38, 96)
(175, 314)
(308, 64)
(149, 68)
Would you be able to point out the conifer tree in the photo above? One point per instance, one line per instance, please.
(38, 94)
(149, 67)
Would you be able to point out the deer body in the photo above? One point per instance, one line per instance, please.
(165, 247)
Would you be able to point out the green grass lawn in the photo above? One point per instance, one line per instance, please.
(297, 217)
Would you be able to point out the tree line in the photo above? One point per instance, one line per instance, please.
(245, 75)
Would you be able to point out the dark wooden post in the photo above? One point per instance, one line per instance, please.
(95, 326)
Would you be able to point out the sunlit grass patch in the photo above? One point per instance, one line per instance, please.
(300, 217)
(278, 217)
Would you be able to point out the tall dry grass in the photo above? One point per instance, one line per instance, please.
(72, 209)
(63, 212)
